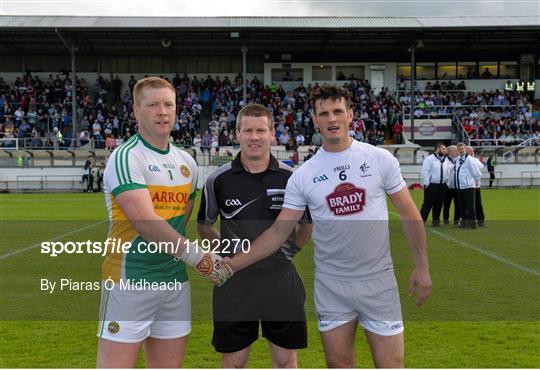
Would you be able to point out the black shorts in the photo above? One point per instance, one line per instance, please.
(275, 299)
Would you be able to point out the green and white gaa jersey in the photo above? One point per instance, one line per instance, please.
(170, 176)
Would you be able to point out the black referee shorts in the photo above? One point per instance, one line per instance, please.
(275, 299)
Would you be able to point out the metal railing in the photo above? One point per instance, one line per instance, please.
(457, 123)
(69, 157)
(407, 89)
(46, 127)
(431, 111)
(499, 142)
(532, 141)
(46, 182)
(74, 182)
(47, 143)
(462, 135)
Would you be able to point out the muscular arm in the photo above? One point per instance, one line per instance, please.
(270, 241)
(137, 206)
(208, 231)
(139, 210)
(413, 227)
(189, 210)
(303, 234)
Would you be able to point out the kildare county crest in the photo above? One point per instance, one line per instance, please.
(346, 200)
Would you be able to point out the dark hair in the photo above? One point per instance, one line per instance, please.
(329, 92)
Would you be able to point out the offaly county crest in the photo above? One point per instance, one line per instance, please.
(185, 171)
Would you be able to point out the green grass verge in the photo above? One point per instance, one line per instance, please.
(484, 311)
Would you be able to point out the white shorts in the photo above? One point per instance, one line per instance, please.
(374, 303)
(130, 316)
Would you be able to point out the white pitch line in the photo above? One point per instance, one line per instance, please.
(482, 251)
(486, 253)
(19, 251)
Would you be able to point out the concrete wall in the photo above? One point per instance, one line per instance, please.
(69, 178)
(389, 72)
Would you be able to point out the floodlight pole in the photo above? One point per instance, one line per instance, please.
(413, 78)
(244, 72)
(72, 50)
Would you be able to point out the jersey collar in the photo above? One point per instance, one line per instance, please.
(151, 147)
(238, 167)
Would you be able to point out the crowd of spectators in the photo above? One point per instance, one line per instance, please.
(374, 115)
(495, 117)
(39, 111)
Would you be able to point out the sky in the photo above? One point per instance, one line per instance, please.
(373, 8)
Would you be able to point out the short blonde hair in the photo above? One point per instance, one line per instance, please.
(150, 83)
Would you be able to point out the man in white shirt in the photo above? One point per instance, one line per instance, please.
(285, 138)
(479, 207)
(96, 133)
(434, 177)
(451, 194)
(19, 116)
(299, 139)
(467, 175)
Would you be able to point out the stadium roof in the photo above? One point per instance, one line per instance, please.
(268, 22)
(268, 38)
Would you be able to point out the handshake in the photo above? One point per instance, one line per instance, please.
(209, 265)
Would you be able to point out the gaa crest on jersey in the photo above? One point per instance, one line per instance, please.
(113, 327)
(364, 167)
(346, 199)
(185, 171)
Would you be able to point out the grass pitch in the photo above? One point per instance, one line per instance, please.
(484, 310)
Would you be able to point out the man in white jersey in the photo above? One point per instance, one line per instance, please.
(345, 186)
(149, 189)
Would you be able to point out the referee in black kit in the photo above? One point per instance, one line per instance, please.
(434, 177)
(248, 194)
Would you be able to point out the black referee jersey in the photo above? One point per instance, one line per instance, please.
(248, 204)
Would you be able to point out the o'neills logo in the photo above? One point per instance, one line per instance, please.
(346, 200)
(170, 196)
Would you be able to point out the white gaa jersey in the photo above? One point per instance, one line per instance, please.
(346, 195)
